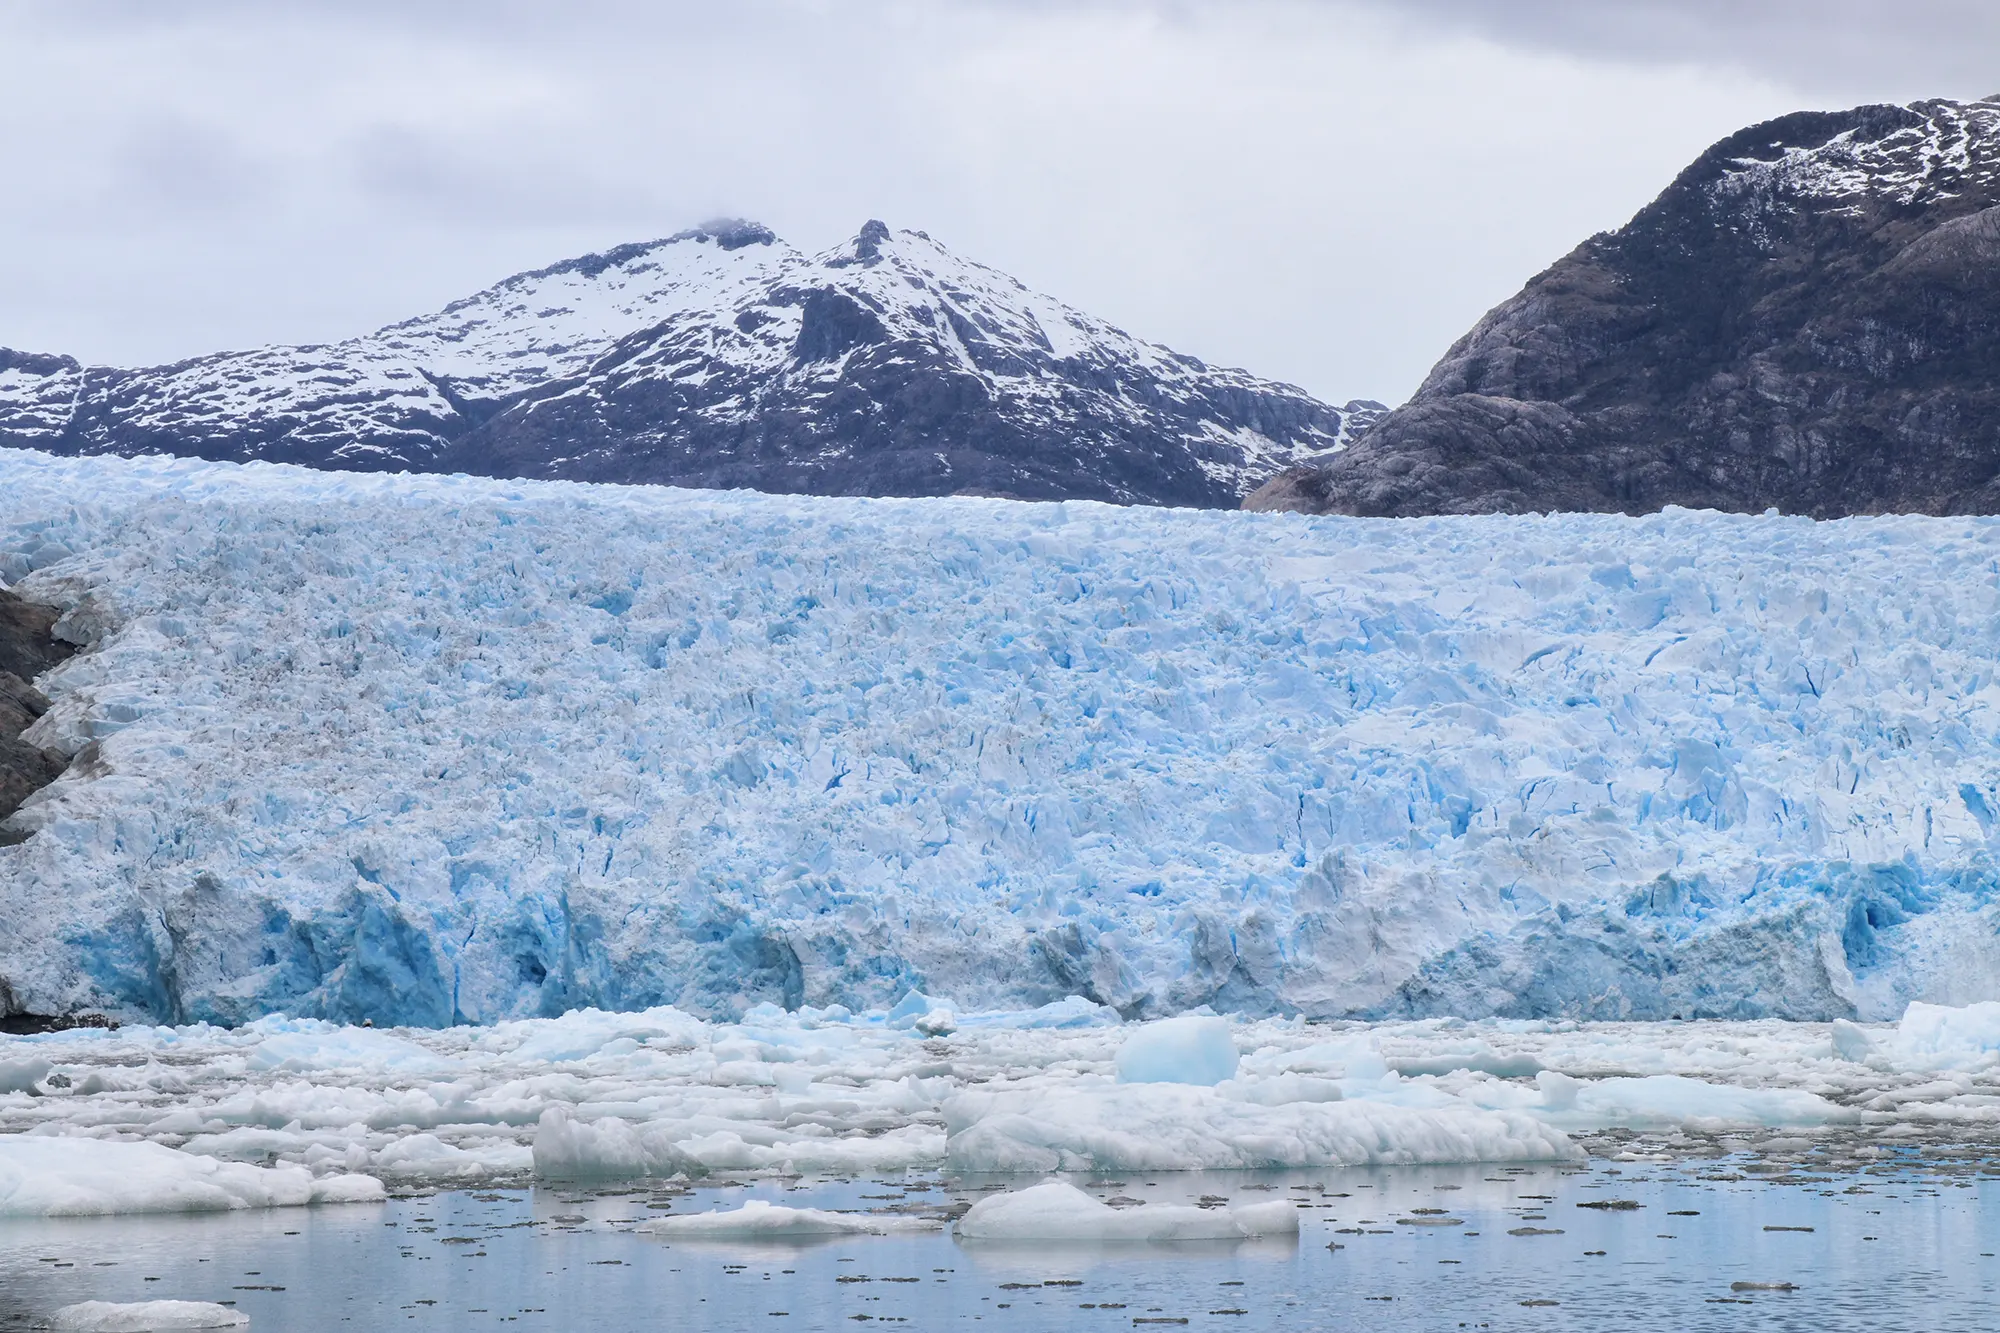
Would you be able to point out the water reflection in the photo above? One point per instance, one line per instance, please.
(1687, 1246)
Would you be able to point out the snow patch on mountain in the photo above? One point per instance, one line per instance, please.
(1919, 153)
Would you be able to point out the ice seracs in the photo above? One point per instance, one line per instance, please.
(431, 751)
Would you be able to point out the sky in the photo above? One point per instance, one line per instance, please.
(1326, 192)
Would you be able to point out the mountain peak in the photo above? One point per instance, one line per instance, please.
(1802, 319)
(729, 233)
(865, 248)
(721, 357)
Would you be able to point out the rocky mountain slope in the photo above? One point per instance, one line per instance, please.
(1808, 318)
(719, 357)
(28, 647)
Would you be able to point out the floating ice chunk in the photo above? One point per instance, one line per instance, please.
(1477, 1056)
(1169, 1127)
(758, 1218)
(69, 1177)
(895, 1150)
(427, 1157)
(567, 1148)
(1074, 1012)
(1851, 1041)
(570, 1149)
(1056, 1210)
(1201, 1051)
(583, 1033)
(1669, 1101)
(23, 1075)
(937, 1023)
(1936, 1036)
(146, 1317)
(1282, 1090)
(912, 1007)
(341, 1048)
(1356, 1060)
(352, 1188)
(1559, 1090)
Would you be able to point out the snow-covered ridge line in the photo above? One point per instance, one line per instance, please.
(1903, 154)
(434, 750)
(720, 356)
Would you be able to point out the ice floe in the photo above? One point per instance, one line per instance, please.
(287, 1112)
(760, 1219)
(45, 1176)
(145, 1317)
(1058, 1211)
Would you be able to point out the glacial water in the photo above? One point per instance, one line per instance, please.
(1900, 1246)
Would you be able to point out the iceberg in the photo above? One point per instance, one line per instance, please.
(1188, 1049)
(1058, 1211)
(760, 1220)
(430, 751)
(1175, 1127)
(1670, 1101)
(145, 1317)
(77, 1177)
(1941, 1037)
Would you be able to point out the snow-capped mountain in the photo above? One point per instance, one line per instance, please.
(1805, 319)
(719, 357)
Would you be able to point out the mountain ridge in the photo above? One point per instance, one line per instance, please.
(719, 356)
(1803, 320)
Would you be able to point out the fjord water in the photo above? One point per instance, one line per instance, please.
(1897, 1247)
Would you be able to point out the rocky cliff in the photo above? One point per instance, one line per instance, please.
(1807, 319)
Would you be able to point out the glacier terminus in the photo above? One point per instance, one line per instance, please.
(437, 750)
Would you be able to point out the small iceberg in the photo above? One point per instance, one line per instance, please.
(146, 1317)
(760, 1220)
(1056, 1210)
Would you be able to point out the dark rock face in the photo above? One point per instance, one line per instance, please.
(1808, 318)
(721, 357)
(28, 647)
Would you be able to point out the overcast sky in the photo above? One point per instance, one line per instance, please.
(1324, 191)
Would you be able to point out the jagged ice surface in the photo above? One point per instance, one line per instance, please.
(431, 750)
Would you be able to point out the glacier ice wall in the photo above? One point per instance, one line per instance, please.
(431, 750)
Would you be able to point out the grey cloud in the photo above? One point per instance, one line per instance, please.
(1849, 50)
(181, 166)
(1326, 191)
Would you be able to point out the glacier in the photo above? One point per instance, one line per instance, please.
(433, 750)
